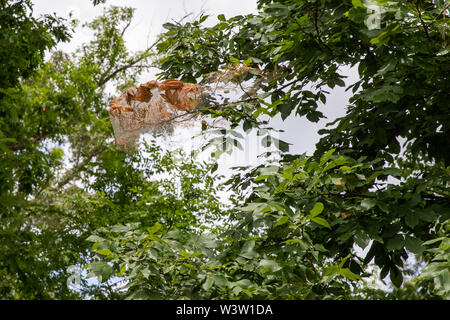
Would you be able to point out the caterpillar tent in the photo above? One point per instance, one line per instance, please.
(152, 104)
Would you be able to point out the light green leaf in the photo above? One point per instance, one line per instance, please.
(426, 243)
(357, 3)
(220, 280)
(269, 265)
(247, 250)
(348, 274)
(282, 220)
(344, 261)
(281, 207)
(368, 203)
(321, 221)
(104, 252)
(261, 177)
(119, 228)
(331, 270)
(235, 61)
(316, 210)
(95, 238)
(208, 284)
(326, 156)
(122, 271)
(361, 239)
(243, 283)
(155, 228)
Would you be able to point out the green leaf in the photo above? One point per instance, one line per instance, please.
(396, 277)
(257, 206)
(207, 240)
(247, 250)
(326, 156)
(321, 221)
(122, 271)
(187, 255)
(235, 61)
(269, 265)
(139, 295)
(102, 270)
(348, 274)
(243, 283)
(384, 272)
(221, 17)
(285, 109)
(368, 203)
(269, 170)
(316, 210)
(104, 252)
(331, 270)
(281, 207)
(155, 228)
(414, 245)
(208, 283)
(120, 228)
(281, 145)
(361, 239)
(282, 220)
(395, 243)
(169, 26)
(339, 161)
(383, 206)
(94, 238)
(411, 218)
(220, 280)
(426, 243)
(261, 177)
(357, 3)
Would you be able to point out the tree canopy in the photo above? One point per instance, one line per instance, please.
(372, 201)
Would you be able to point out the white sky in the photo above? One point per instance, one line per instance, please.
(149, 18)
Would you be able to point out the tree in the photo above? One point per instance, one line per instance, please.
(61, 176)
(296, 234)
(20, 58)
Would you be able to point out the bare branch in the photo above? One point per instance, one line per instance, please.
(125, 28)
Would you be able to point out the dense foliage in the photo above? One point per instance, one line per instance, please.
(370, 191)
(372, 201)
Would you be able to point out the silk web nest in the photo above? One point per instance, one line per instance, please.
(150, 106)
(154, 106)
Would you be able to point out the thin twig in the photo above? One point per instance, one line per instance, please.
(318, 31)
(424, 25)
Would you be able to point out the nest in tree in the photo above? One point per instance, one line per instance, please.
(152, 105)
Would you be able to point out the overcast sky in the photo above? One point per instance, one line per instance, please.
(148, 20)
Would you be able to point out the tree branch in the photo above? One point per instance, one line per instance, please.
(125, 28)
(316, 18)
(131, 64)
(15, 146)
(70, 175)
(424, 25)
